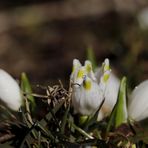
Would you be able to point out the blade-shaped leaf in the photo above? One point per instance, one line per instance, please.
(26, 88)
(64, 120)
(49, 115)
(119, 113)
(93, 118)
(80, 130)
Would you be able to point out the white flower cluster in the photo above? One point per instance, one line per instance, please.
(88, 91)
(89, 88)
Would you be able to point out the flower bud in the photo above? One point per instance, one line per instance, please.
(9, 91)
(111, 94)
(138, 102)
(110, 84)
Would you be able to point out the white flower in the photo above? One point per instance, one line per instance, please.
(87, 97)
(87, 94)
(110, 95)
(111, 91)
(9, 91)
(138, 102)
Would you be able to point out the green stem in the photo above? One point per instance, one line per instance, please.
(80, 130)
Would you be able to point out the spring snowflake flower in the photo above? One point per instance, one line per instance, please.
(138, 102)
(87, 94)
(9, 91)
(111, 91)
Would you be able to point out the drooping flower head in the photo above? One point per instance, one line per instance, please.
(110, 83)
(10, 92)
(87, 94)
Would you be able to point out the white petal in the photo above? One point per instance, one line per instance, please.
(89, 70)
(98, 74)
(86, 102)
(9, 91)
(111, 94)
(138, 102)
(81, 73)
(75, 69)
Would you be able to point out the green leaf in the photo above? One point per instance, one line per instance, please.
(83, 119)
(91, 57)
(111, 121)
(64, 120)
(92, 118)
(45, 130)
(26, 88)
(81, 131)
(24, 137)
(48, 116)
(119, 113)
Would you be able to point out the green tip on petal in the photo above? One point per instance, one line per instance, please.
(106, 77)
(87, 83)
(88, 66)
(81, 72)
(106, 66)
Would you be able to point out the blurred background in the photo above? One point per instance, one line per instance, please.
(42, 37)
